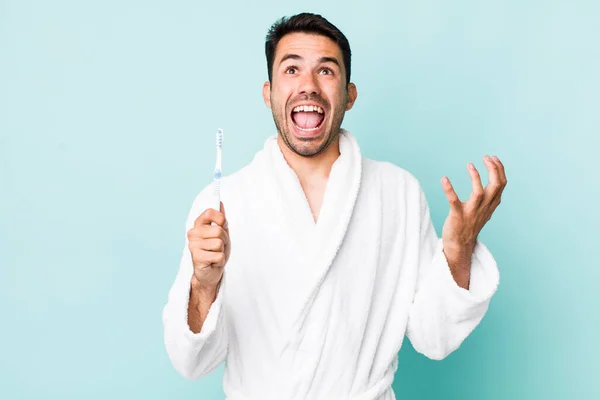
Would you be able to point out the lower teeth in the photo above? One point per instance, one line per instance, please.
(308, 129)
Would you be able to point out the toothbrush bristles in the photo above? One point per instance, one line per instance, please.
(220, 138)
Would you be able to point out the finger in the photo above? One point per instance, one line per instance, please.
(502, 174)
(494, 185)
(224, 236)
(214, 258)
(213, 244)
(451, 195)
(477, 193)
(225, 224)
(492, 207)
(216, 232)
(501, 170)
(495, 203)
(207, 232)
(208, 216)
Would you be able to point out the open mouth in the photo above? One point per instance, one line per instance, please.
(308, 118)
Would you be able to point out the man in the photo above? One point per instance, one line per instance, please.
(325, 259)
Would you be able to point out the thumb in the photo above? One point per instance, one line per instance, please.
(226, 224)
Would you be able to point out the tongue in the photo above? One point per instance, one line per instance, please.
(307, 120)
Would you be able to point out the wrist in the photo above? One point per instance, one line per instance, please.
(203, 294)
(458, 250)
(459, 262)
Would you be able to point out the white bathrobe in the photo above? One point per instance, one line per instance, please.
(319, 310)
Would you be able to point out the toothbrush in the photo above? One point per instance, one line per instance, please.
(217, 174)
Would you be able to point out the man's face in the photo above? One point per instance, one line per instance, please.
(308, 94)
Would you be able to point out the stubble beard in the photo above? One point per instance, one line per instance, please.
(305, 147)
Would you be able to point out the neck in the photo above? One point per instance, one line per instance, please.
(308, 168)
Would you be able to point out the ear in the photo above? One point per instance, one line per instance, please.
(352, 95)
(267, 93)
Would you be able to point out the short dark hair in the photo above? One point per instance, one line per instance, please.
(305, 23)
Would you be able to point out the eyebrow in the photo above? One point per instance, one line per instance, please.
(321, 60)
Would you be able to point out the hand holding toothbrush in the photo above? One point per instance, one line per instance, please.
(210, 248)
(209, 245)
(209, 238)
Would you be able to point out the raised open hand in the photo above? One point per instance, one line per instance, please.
(466, 219)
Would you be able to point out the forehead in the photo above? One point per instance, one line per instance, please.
(308, 46)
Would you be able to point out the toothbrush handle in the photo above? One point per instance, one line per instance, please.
(217, 204)
(216, 200)
(217, 195)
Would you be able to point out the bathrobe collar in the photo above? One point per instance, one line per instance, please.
(318, 243)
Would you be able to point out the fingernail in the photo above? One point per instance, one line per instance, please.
(496, 158)
(471, 166)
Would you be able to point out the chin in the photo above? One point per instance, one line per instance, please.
(308, 145)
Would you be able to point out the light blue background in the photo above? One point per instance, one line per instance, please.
(107, 117)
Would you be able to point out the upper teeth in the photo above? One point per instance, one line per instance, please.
(308, 109)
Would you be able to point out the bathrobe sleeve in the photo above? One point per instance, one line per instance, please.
(443, 314)
(193, 355)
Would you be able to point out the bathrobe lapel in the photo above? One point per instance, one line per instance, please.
(318, 243)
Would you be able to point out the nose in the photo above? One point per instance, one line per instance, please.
(309, 85)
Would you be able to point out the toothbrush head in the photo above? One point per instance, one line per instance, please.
(220, 138)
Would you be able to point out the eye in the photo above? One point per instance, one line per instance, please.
(291, 70)
(326, 71)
